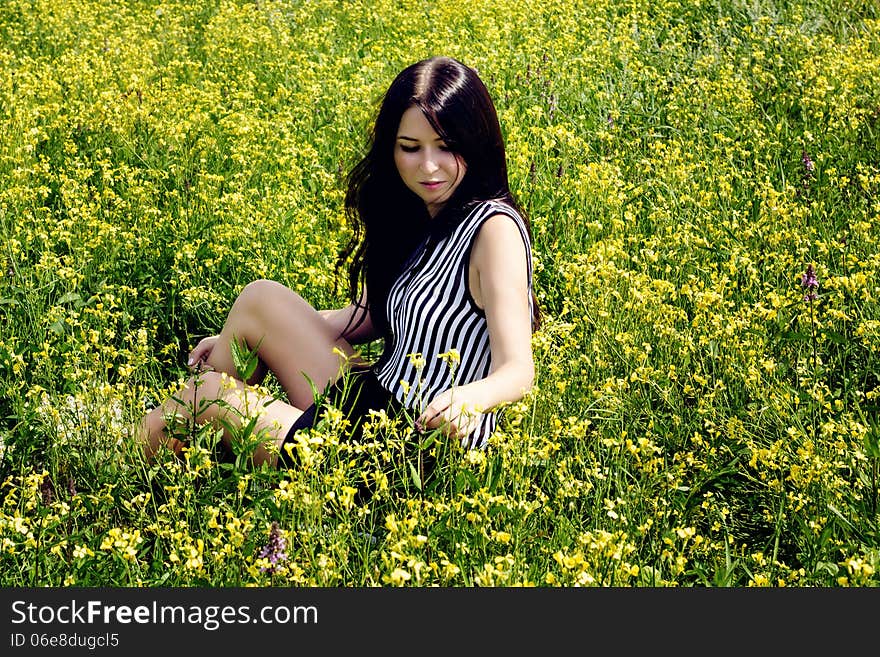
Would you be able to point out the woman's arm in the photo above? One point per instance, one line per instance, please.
(500, 259)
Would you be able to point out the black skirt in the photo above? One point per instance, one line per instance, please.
(355, 394)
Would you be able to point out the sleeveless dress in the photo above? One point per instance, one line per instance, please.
(438, 337)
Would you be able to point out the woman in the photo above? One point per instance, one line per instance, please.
(439, 264)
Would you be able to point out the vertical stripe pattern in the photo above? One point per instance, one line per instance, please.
(431, 312)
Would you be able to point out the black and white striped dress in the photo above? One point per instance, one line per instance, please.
(431, 312)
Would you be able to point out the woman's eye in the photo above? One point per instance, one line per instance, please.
(409, 149)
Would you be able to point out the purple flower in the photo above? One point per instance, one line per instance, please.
(809, 165)
(809, 281)
(274, 549)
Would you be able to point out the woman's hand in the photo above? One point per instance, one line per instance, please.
(453, 412)
(202, 350)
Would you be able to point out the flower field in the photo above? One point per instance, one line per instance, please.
(703, 182)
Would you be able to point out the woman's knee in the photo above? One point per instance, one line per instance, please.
(263, 294)
(258, 301)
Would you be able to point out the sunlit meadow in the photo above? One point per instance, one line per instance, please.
(702, 179)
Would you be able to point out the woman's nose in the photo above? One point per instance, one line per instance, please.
(428, 165)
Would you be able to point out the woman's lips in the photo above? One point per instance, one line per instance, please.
(432, 184)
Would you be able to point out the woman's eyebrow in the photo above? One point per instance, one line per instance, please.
(404, 137)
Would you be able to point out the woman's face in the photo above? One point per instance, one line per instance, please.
(425, 165)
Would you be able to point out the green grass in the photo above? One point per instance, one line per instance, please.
(695, 421)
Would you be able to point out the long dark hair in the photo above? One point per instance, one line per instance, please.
(388, 220)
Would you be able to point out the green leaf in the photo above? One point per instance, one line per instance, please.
(244, 359)
(834, 336)
(871, 445)
(464, 481)
(70, 296)
(414, 474)
(250, 430)
(493, 475)
(827, 567)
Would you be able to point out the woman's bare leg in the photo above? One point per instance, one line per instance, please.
(238, 403)
(292, 340)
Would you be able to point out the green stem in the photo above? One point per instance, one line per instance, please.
(815, 369)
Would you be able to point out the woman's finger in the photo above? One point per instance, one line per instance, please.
(202, 350)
